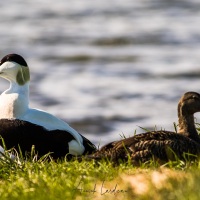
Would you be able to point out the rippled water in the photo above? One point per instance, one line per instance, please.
(106, 67)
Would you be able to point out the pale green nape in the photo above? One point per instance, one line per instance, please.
(23, 75)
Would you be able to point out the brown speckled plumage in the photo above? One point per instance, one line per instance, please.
(159, 145)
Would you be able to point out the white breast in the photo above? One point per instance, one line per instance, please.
(12, 106)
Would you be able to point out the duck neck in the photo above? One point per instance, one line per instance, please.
(21, 96)
(186, 125)
(20, 89)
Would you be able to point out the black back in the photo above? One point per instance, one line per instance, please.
(17, 133)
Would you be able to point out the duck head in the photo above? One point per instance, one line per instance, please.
(190, 103)
(14, 68)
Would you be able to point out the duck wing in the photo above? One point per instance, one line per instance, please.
(159, 145)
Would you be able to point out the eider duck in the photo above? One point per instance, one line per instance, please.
(22, 126)
(161, 146)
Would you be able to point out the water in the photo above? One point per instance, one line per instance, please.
(106, 67)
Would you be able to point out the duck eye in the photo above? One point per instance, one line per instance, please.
(194, 97)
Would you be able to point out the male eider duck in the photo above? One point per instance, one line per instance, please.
(22, 126)
(159, 145)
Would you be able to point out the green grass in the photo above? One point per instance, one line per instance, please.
(48, 180)
(41, 179)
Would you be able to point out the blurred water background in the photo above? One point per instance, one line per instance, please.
(106, 67)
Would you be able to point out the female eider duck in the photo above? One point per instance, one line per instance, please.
(21, 126)
(159, 145)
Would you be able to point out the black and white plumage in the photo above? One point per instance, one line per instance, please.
(159, 145)
(23, 126)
